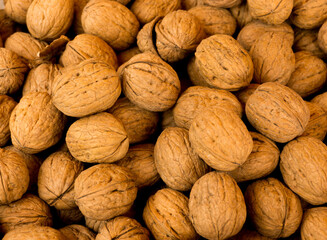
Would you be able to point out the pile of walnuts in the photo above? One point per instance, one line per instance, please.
(166, 119)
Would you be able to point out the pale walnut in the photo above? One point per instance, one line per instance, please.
(127, 54)
(314, 224)
(70, 216)
(321, 100)
(7, 105)
(77, 232)
(241, 14)
(17, 10)
(187, 4)
(244, 94)
(322, 37)
(33, 233)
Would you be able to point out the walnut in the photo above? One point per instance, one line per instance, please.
(303, 164)
(35, 123)
(321, 100)
(274, 209)
(7, 25)
(196, 98)
(139, 123)
(70, 216)
(261, 162)
(126, 55)
(244, 94)
(146, 37)
(30, 210)
(34, 232)
(215, 130)
(78, 10)
(221, 62)
(17, 10)
(314, 223)
(187, 4)
(167, 119)
(77, 232)
(85, 46)
(277, 112)
(322, 37)
(7, 105)
(241, 14)
(12, 71)
(149, 82)
(86, 88)
(93, 224)
(107, 143)
(111, 21)
(217, 206)
(48, 20)
(247, 234)
(105, 191)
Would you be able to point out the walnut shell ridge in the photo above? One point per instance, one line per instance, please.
(34, 232)
(77, 232)
(314, 223)
(187, 4)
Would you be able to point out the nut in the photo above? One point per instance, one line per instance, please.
(321, 100)
(247, 234)
(7, 25)
(241, 14)
(244, 94)
(34, 232)
(77, 232)
(17, 10)
(126, 55)
(214, 3)
(307, 40)
(322, 37)
(7, 104)
(167, 119)
(314, 223)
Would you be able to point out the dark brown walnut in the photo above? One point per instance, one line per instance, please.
(17, 10)
(196, 98)
(126, 55)
(166, 215)
(303, 164)
(217, 206)
(247, 234)
(85, 46)
(139, 123)
(30, 210)
(14, 176)
(178, 165)
(273, 58)
(140, 161)
(277, 112)
(107, 143)
(314, 224)
(321, 100)
(220, 138)
(86, 88)
(12, 71)
(309, 14)
(215, 20)
(122, 228)
(167, 119)
(244, 94)
(274, 209)
(77, 20)
(221, 62)
(7, 104)
(70, 216)
(49, 20)
(149, 82)
(35, 232)
(241, 14)
(262, 161)
(147, 10)
(187, 4)
(322, 37)
(77, 232)
(111, 21)
(7, 25)
(105, 191)
(35, 123)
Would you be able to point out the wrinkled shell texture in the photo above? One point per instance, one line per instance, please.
(95, 225)
(111, 21)
(146, 36)
(214, 3)
(7, 105)
(217, 206)
(28, 211)
(307, 40)
(221, 62)
(17, 10)
(91, 86)
(121, 228)
(322, 37)
(149, 82)
(77, 232)
(317, 126)
(35, 232)
(166, 215)
(277, 112)
(220, 138)
(303, 164)
(321, 100)
(241, 14)
(35, 123)
(107, 143)
(105, 191)
(57, 175)
(47, 20)
(314, 225)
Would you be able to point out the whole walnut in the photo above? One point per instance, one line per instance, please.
(127, 54)
(241, 14)
(187, 4)
(107, 143)
(220, 138)
(149, 82)
(275, 210)
(77, 232)
(17, 10)
(7, 104)
(166, 215)
(70, 216)
(7, 25)
(111, 21)
(86, 88)
(314, 223)
(322, 37)
(30, 210)
(139, 123)
(303, 164)
(12, 71)
(221, 62)
(33, 233)
(35, 123)
(321, 100)
(217, 206)
(105, 191)
(273, 58)
(277, 112)
(247, 234)
(85, 46)
(122, 228)
(244, 94)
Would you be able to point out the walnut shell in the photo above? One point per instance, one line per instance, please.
(85, 46)
(7, 25)
(93, 224)
(70, 216)
(303, 164)
(217, 206)
(30, 210)
(215, 130)
(17, 10)
(7, 104)
(244, 94)
(149, 82)
(127, 54)
(321, 100)
(241, 14)
(146, 36)
(86, 88)
(247, 234)
(34, 232)
(35, 123)
(277, 112)
(111, 21)
(187, 4)
(122, 228)
(274, 209)
(105, 191)
(314, 223)
(322, 37)
(77, 232)
(221, 62)
(107, 143)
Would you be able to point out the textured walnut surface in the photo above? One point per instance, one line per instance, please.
(35, 232)
(17, 10)
(244, 94)
(77, 232)
(241, 14)
(321, 100)
(7, 105)
(307, 40)
(214, 3)
(317, 126)
(247, 234)
(322, 37)
(314, 224)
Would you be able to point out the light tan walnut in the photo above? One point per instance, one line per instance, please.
(321, 100)
(77, 232)
(34, 232)
(7, 104)
(322, 37)
(314, 224)
(187, 4)
(241, 14)
(167, 119)
(17, 10)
